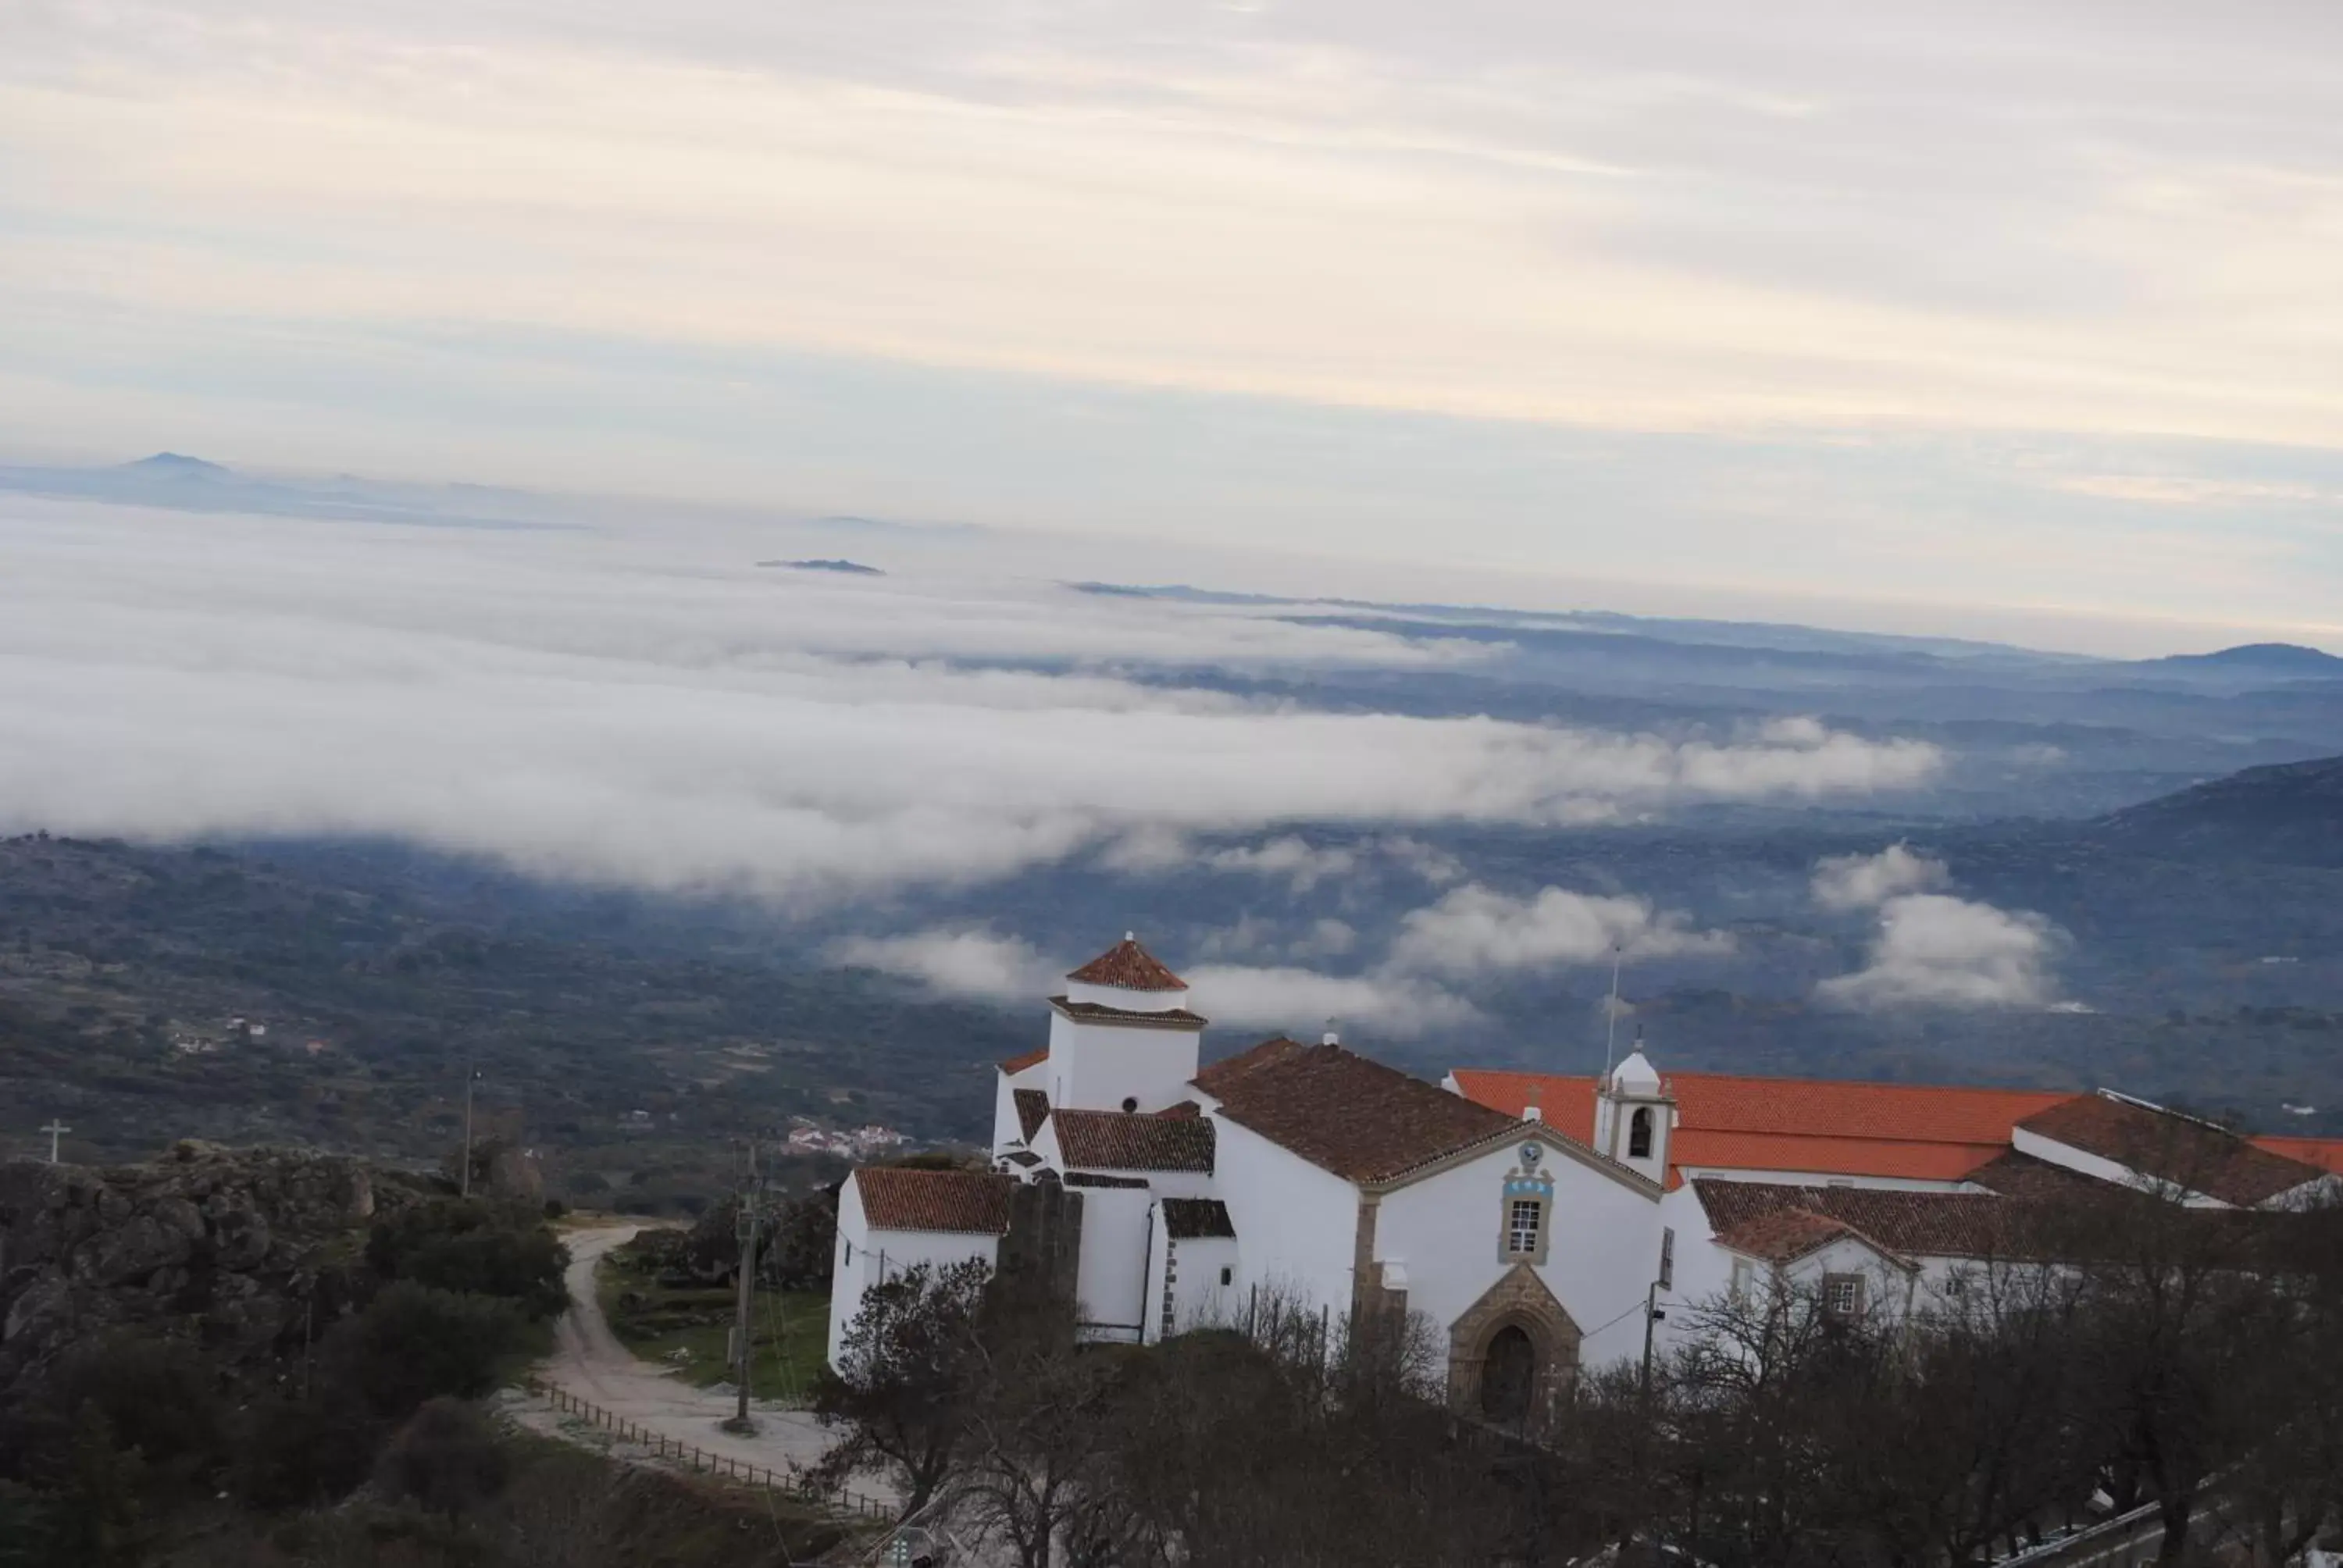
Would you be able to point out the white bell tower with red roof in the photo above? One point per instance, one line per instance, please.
(1122, 1037)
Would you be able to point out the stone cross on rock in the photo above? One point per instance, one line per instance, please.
(56, 1129)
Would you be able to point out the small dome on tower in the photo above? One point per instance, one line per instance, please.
(1636, 1075)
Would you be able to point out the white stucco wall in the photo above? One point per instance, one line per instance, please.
(1198, 1299)
(1888, 1291)
(1110, 1278)
(1095, 1066)
(1602, 1249)
(1296, 1224)
(1704, 1268)
(882, 1254)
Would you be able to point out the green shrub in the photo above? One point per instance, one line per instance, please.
(446, 1459)
(416, 1341)
(475, 1247)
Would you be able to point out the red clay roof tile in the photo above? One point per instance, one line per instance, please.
(1217, 1077)
(2326, 1153)
(1345, 1113)
(1123, 1140)
(1032, 1109)
(1832, 1128)
(1129, 967)
(896, 1199)
(1094, 1012)
(2190, 1153)
(1914, 1224)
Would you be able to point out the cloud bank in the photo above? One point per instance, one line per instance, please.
(1867, 881)
(1474, 930)
(621, 708)
(971, 962)
(1932, 949)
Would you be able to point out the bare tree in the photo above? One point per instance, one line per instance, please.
(901, 1391)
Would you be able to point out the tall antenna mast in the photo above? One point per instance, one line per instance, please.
(1610, 1023)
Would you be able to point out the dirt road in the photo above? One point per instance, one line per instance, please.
(590, 1362)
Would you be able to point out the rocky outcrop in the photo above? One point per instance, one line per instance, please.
(234, 1246)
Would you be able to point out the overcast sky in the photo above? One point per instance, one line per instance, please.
(1950, 309)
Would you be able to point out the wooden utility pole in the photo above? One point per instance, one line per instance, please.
(747, 1225)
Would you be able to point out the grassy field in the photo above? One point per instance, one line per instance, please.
(689, 1327)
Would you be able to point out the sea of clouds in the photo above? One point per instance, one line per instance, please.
(645, 706)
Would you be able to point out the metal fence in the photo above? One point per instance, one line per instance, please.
(791, 1482)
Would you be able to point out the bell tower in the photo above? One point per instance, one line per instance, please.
(1122, 1037)
(1635, 1115)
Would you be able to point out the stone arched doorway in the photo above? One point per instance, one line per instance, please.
(1514, 1352)
(1509, 1375)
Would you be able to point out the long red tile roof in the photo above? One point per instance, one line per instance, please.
(1914, 1224)
(1727, 1121)
(2326, 1153)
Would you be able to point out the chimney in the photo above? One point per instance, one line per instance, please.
(1530, 1111)
(1330, 1037)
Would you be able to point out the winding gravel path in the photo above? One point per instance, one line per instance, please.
(590, 1362)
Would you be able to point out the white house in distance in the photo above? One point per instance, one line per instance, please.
(1532, 1219)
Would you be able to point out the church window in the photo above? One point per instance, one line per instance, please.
(850, 1254)
(1743, 1271)
(1228, 1277)
(1525, 1216)
(1639, 1134)
(1843, 1296)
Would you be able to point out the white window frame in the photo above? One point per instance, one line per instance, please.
(1524, 1227)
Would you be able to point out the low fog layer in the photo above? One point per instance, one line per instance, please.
(617, 707)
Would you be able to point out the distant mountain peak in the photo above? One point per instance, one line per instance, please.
(854, 568)
(2280, 658)
(177, 465)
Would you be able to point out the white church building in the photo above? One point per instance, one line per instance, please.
(1538, 1223)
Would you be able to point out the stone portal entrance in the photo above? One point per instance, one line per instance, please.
(1508, 1375)
(1514, 1352)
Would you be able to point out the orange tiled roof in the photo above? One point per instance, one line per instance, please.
(1131, 967)
(2326, 1153)
(1728, 1121)
(1017, 1064)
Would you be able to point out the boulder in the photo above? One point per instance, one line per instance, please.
(230, 1243)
